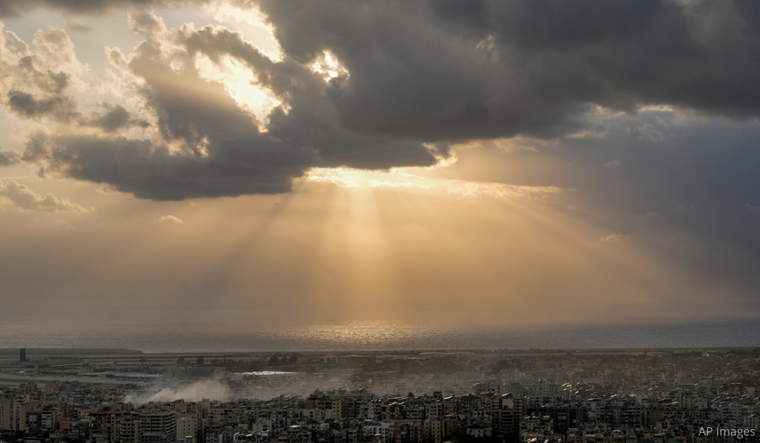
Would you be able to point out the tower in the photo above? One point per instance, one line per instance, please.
(22, 354)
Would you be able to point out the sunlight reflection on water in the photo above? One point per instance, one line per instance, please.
(369, 336)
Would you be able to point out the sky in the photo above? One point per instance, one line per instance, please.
(480, 162)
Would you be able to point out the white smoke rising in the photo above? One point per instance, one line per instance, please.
(220, 389)
(212, 389)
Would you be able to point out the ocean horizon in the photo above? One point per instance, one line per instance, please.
(375, 336)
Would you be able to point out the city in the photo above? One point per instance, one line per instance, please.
(610, 396)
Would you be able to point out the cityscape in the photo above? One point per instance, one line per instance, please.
(588, 396)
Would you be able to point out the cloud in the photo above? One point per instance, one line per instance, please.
(487, 57)
(750, 208)
(170, 218)
(9, 158)
(487, 69)
(24, 198)
(37, 84)
(407, 80)
(515, 145)
(15, 8)
(650, 133)
(615, 237)
(78, 27)
(612, 164)
(208, 146)
(59, 109)
(115, 118)
(41, 76)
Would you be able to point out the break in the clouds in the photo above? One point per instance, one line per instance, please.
(400, 82)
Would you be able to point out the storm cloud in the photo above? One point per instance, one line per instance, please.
(410, 79)
(443, 70)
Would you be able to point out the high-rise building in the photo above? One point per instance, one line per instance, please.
(158, 427)
(129, 429)
(107, 425)
(509, 414)
(10, 413)
(187, 426)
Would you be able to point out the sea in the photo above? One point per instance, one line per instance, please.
(373, 336)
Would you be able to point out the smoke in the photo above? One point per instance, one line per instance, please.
(222, 390)
(212, 389)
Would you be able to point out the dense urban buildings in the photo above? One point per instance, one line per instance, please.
(404, 397)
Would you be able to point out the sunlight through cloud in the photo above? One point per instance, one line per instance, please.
(403, 178)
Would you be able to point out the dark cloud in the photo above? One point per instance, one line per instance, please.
(155, 172)
(45, 79)
(60, 109)
(63, 109)
(312, 120)
(450, 69)
(212, 148)
(116, 118)
(9, 158)
(222, 151)
(552, 24)
(435, 71)
(446, 69)
(750, 11)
